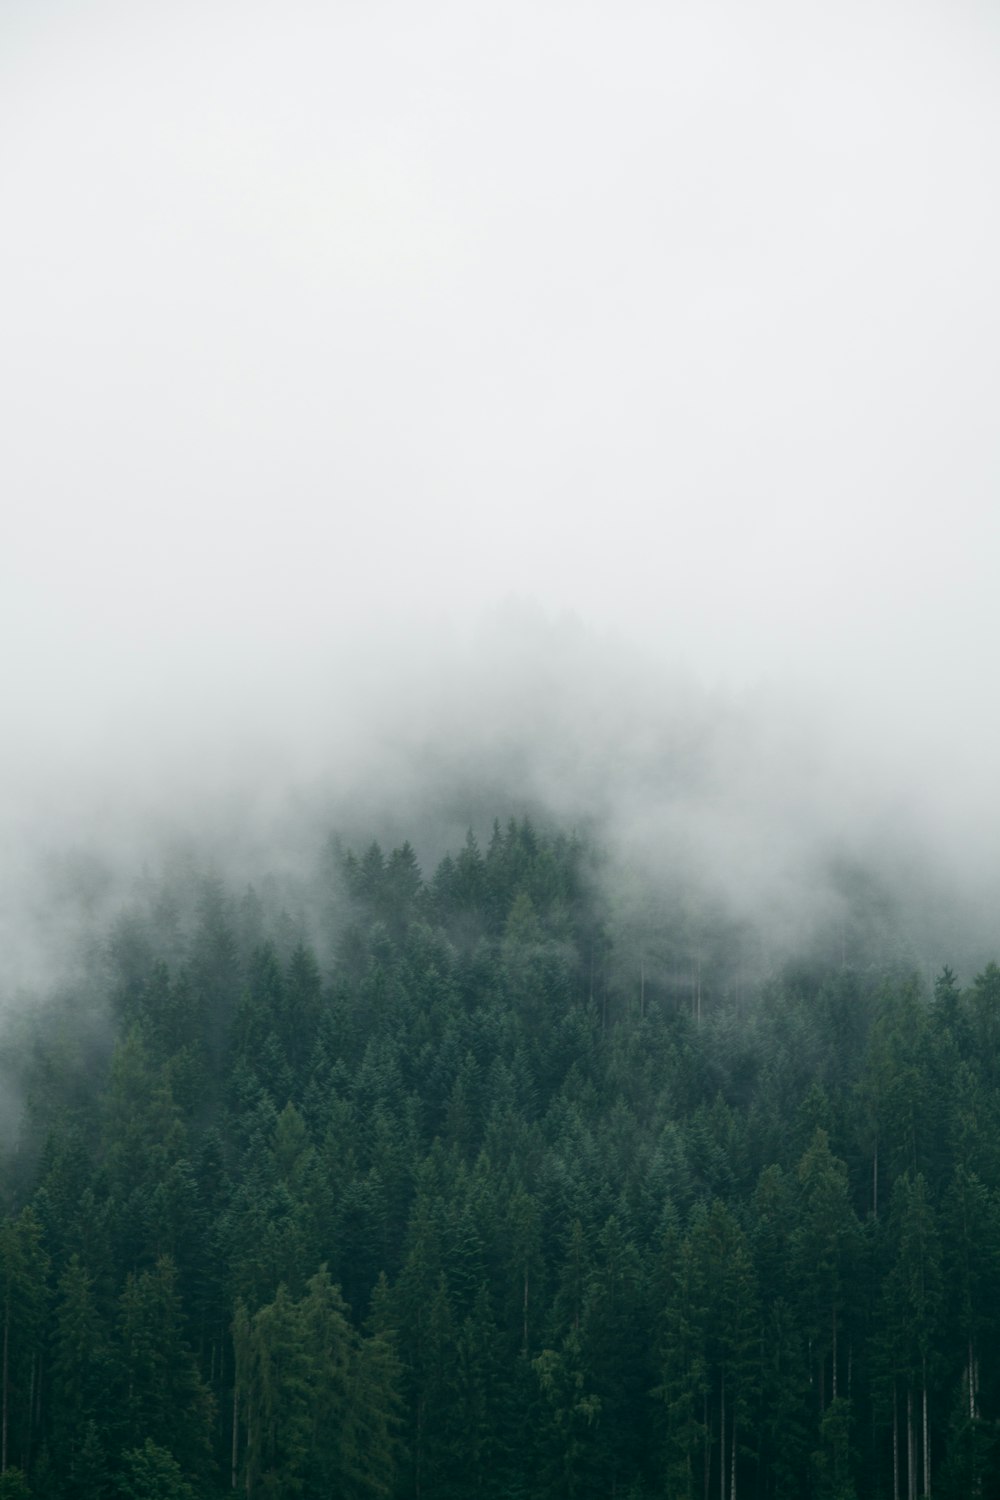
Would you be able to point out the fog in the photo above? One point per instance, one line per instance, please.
(419, 414)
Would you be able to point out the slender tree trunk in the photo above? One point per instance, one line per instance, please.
(875, 1179)
(418, 1457)
(927, 1440)
(732, 1459)
(895, 1444)
(974, 1414)
(722, 1437)
(32, 1386)
(911, 1448)
(834, 1331)
(38, 1391)
(524, 1347)
(236, 1430)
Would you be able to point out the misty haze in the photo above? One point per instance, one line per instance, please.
(499, 874)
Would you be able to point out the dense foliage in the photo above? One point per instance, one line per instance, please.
(488, 1204)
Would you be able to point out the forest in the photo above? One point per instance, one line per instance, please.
(480, 1184)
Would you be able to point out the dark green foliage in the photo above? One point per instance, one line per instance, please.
(24, 1299)
(152, 1473)
(517, 1194)
(160, 1393)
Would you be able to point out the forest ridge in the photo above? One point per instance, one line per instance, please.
(481, 1185)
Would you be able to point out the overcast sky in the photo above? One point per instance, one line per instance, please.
(327, 328)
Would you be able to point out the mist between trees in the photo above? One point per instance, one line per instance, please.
(514, 1178)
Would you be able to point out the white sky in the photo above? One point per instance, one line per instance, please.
(322, 321)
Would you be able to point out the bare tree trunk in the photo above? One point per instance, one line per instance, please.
(722, 1437)
(834, 1340)
(732, 1460)
(236, 1431)
(974, 1404)
(927, 1440)
(38, 1390)
(875, 1179)
(895, 1444)
(418, 1456)
(32, 1387)
(911, 1448)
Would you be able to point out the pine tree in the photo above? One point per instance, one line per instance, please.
(80, 1375)
(24, 1266)
(161, 1396)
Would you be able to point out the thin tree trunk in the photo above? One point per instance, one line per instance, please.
(927, 1440)
(974, 1409)
(895, 1444)
(722, 1437)
(732, 1460)
(32, 1386)
(418, 1457)
(911, 1448)
(236, 1437)
(835, 1351)
(38, 1390)
(875, 1179)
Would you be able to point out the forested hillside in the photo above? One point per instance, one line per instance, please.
(478, 1186)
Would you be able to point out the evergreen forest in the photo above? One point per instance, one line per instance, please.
(477, 1185)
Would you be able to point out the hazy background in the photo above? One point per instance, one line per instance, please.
(530, 403)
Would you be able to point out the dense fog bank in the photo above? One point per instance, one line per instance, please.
(762, 806)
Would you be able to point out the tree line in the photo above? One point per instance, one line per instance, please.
(484, 1204)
